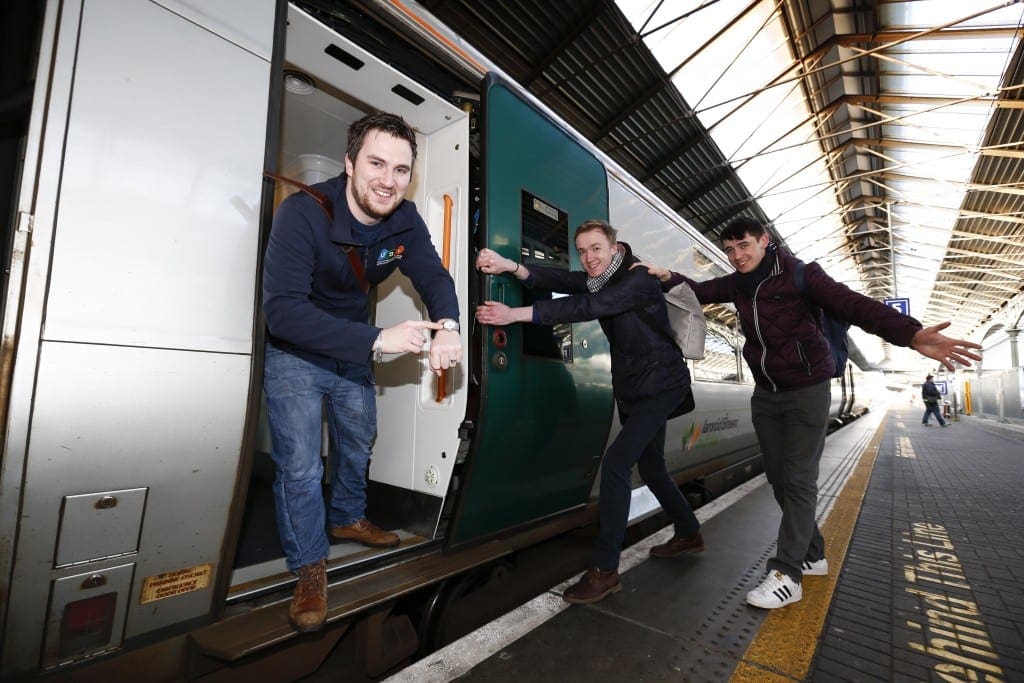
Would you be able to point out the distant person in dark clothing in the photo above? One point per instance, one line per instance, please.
(650, 381)
(793, 367)
(931, 397)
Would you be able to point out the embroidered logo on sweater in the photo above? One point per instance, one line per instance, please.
(386, 256)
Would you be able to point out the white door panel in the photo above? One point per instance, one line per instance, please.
(246, 23)
(156, 235)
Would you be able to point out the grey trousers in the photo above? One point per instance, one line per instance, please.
(791, 428)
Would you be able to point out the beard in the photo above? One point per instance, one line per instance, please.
(375, 210)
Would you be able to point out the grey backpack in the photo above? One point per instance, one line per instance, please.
(686, 319)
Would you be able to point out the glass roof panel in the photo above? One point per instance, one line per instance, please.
(743, 87)
(928, 13)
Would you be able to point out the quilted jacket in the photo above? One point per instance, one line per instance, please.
(645, 360)
(784, 346)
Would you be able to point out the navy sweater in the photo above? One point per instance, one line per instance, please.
(311, 297)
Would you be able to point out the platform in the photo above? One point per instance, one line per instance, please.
(923, 529)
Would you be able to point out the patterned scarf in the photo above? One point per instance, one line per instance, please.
(596, 283)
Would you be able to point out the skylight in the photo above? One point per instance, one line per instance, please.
(733, 63)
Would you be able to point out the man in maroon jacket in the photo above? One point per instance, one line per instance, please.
(792, 366)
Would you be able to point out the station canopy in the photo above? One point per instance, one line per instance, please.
(881, 138)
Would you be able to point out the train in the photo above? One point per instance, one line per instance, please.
(137, 529)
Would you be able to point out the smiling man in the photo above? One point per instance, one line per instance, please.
(792, 366)
(650, 382)
(321, 346)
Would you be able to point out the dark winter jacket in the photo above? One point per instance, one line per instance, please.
(645, 361)
(311, 297)
(785, 347)
(930, 393)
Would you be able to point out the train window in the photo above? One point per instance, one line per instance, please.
(721, 360)
(545, 242)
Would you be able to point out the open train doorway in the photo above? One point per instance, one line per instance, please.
(329, 82)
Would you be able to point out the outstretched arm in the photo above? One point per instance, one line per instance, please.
(491, 262)
(663, 274)
(494, 313)
(932, 343)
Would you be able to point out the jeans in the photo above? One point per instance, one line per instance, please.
(932, 409)
(641, 441)
(791, 428)
(300, 389)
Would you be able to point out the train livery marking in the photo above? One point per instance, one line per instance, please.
(711, 432)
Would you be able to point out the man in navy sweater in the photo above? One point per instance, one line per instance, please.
(321, 347)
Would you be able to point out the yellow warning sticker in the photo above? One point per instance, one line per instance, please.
(169, 584)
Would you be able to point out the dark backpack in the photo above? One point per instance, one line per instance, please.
(834, 329)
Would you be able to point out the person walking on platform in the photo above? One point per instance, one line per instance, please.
(792, 366)
(319, 265)
(931, 397)
(650, 382)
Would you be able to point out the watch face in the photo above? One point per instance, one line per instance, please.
(450, 325)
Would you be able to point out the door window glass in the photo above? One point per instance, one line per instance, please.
(545, 242)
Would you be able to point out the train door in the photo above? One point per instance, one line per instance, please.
(138, 216)
(546, 400)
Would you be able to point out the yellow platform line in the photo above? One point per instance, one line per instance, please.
(784, 645)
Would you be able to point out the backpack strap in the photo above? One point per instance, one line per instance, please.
(327, 206)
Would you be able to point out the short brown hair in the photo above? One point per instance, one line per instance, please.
(596, 224)
(392, 124)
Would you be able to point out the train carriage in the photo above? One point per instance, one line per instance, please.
(136, 522)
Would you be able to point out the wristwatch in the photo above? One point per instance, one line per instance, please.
(450, 325)
(378, 348)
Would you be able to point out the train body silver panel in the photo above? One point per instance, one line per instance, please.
(142, 365)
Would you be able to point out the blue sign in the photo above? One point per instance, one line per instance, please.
(941, 386)
(901, 305)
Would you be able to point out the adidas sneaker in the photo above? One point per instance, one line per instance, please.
(777, 590)
(816, 568)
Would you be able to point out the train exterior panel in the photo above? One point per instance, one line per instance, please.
(135, 517)
(143, 257)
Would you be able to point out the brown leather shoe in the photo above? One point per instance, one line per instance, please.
(308, 610)
(366, 532)
(594, 586)
(694, 543)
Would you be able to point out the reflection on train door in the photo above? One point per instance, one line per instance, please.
(547, 399)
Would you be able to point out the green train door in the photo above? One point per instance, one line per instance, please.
(546, 395)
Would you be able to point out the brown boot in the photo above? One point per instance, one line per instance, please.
(694, 543)
(366, 532)
(308, 610)
(594, 586)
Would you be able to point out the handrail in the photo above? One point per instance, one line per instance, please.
(446, 252)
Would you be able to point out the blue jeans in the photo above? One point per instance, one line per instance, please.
(300, 389)
(932, 409)
(641, 441)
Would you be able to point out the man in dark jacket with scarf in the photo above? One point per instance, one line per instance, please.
(321, 345)
(792, 367)
(649, 377)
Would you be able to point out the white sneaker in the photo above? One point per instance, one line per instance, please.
(777, 590)
(819, 568)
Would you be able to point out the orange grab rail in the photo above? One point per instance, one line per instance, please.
(446, 253)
